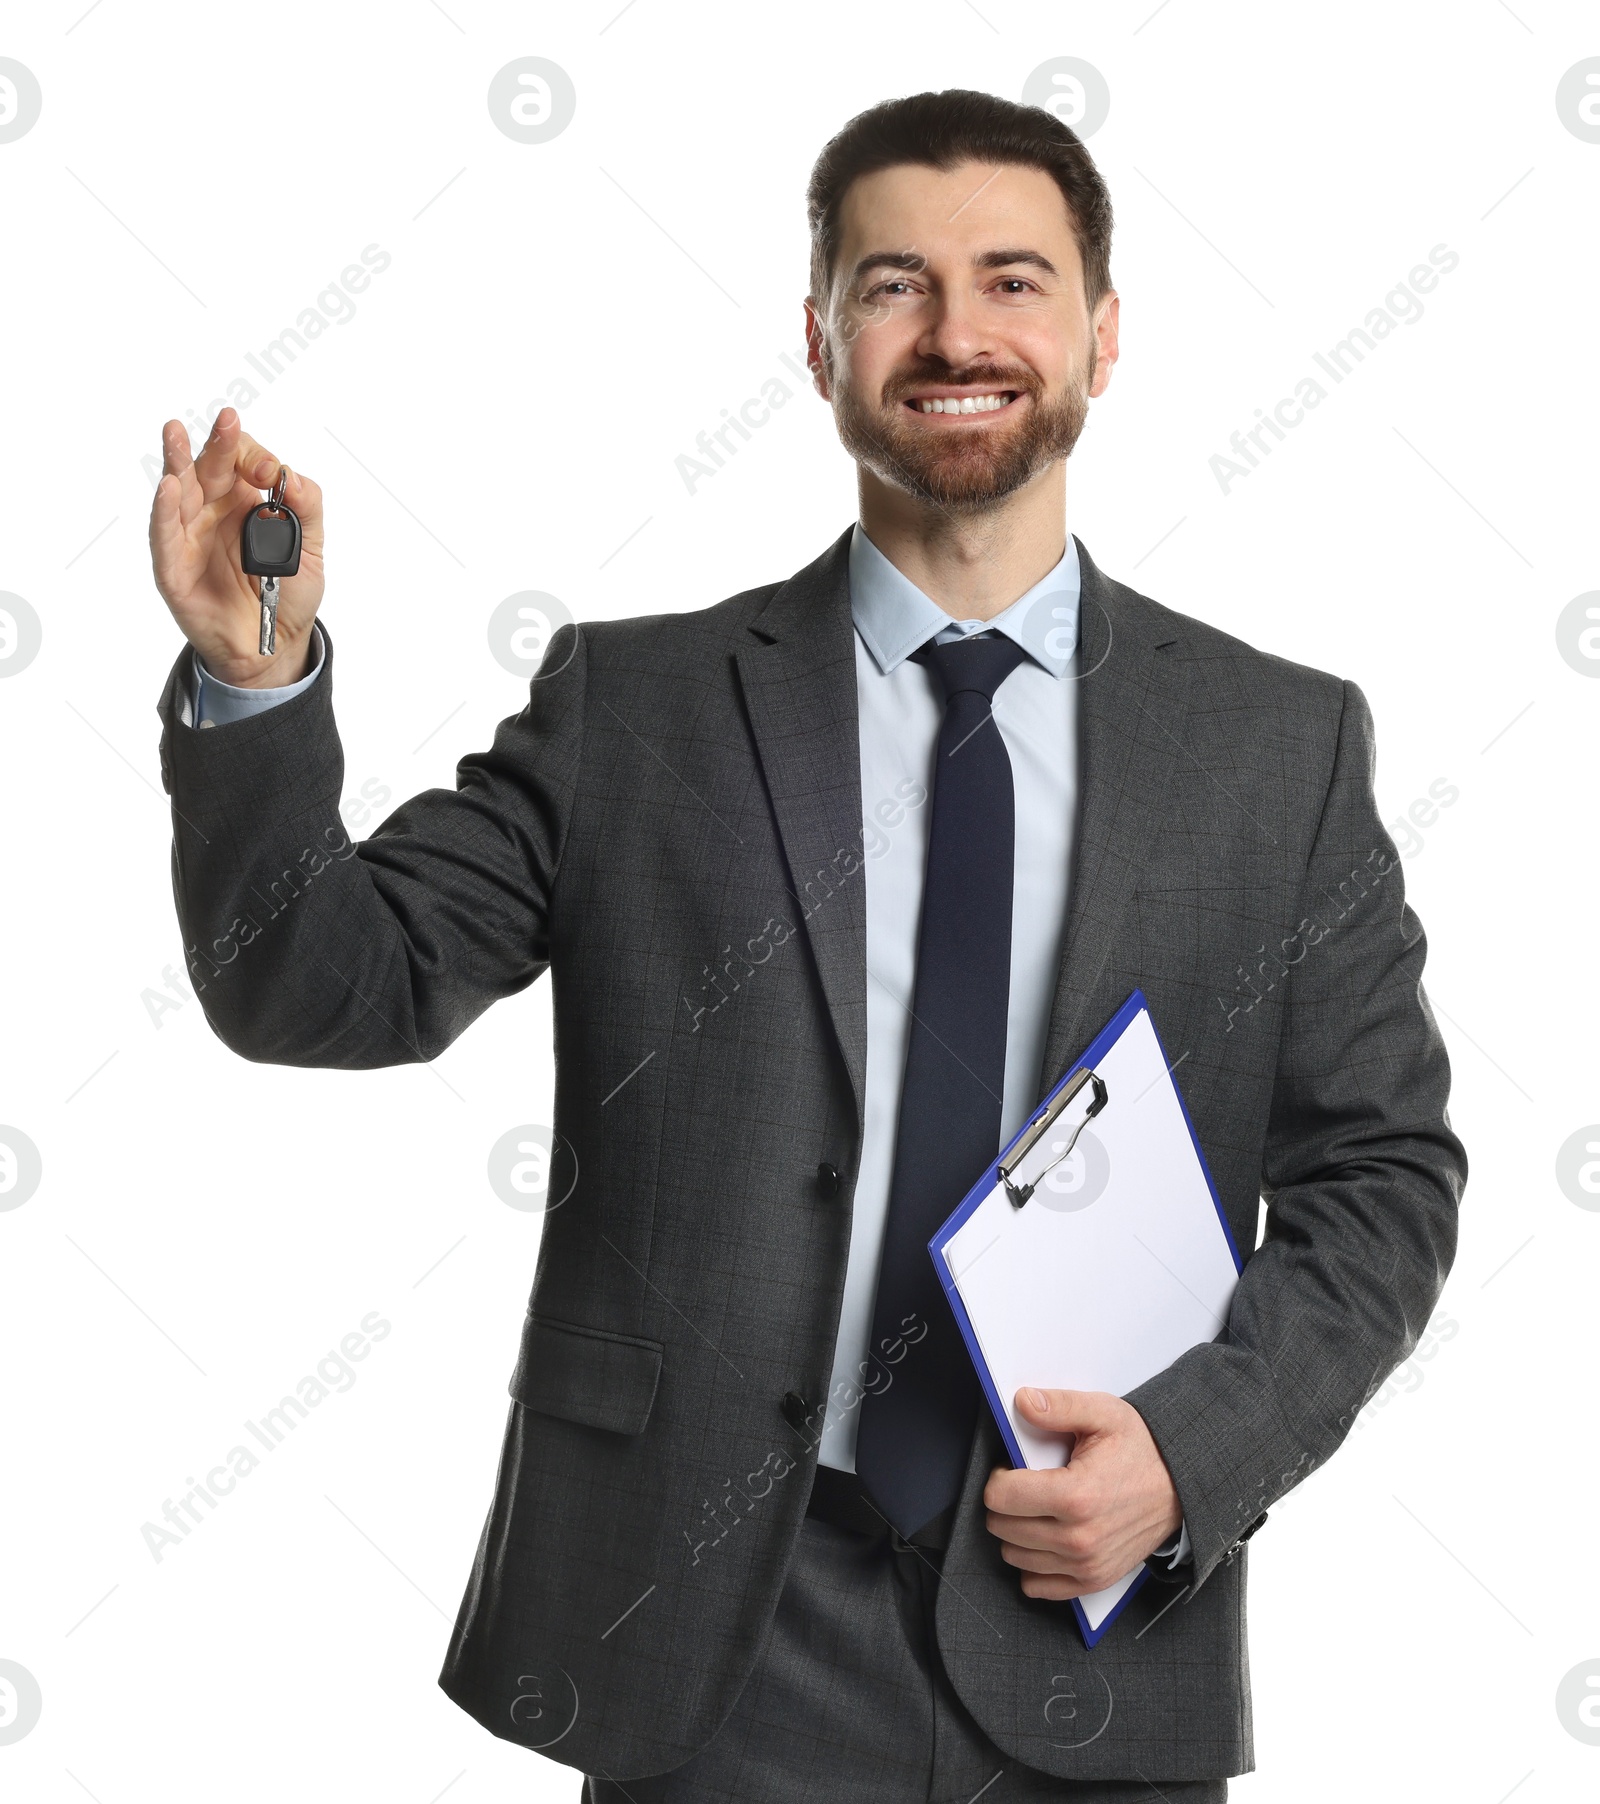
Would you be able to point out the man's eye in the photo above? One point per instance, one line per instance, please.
(893, 282)
(1020, 281)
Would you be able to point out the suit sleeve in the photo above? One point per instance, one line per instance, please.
(306, 948)
(1362, 1177)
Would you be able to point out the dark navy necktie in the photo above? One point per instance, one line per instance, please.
(921, 1400)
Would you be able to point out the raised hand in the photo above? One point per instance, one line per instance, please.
(200, 505)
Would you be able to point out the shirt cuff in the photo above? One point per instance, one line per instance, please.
(217, 704)
(1178, 1547)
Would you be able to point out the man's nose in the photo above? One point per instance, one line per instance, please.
(955, 333)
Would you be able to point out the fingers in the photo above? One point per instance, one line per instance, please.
(228, 456)
(305, 497)
(1054, 1577)
(1043, 1491)
(188, 486)
(1071, 1569)
(175, 456)
(230, 459)
(1038, 1559)
(258, 467)
(1042, 1534)
(254, 462)
(1064, 1411)
(177, 462)
(1056, 1590)
(166, 533)
(216, 466)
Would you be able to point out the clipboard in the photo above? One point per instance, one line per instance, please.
(1093, 1251)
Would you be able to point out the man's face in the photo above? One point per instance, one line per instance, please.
(962, 287)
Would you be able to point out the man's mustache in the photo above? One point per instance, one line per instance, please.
(1022, 381)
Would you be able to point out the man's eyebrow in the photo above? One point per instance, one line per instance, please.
(914, 260)
(1002, 259)
(886, 260)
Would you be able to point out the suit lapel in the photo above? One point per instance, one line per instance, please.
(798, 675)
(1132, 703)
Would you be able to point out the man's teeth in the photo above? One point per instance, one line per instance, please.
(965, 403)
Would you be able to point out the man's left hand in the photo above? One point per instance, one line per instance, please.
(1077, 1528)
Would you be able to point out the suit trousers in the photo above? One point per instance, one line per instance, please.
(849, 1702)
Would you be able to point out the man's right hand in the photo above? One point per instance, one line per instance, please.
(195, 522)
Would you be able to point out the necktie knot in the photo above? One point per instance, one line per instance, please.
(972, 666)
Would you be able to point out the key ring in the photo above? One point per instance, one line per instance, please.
(275, 499)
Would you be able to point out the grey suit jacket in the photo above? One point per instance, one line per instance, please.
(672, 826)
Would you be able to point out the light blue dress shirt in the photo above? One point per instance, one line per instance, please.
(900, 711)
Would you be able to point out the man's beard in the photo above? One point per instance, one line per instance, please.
(962, 472)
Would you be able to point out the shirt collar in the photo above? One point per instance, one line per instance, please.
(894, 617)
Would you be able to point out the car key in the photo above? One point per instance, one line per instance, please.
(269, 547)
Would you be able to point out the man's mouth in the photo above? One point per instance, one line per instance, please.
(962, 400)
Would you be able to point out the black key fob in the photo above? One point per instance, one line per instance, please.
(269, 542)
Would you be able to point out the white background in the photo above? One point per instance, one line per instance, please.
(553, 331)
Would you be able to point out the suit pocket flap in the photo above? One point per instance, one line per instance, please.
(587, 1375)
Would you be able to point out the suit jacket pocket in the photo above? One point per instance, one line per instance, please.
(587, 1375)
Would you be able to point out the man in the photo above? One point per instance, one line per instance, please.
(832, 880)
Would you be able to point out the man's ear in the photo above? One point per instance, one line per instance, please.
(816, 339)
(1103, 341)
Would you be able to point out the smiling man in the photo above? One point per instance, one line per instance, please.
(832, 880)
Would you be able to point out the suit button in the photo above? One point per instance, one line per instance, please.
(829, 1179)
(794, 1409)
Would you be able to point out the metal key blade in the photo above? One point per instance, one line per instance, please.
(269, 615)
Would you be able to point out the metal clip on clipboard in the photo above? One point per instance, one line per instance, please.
(1012, 1162)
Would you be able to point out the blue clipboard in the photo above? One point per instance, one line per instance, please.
(1004, 1178)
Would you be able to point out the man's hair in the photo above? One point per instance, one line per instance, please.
(954, 126)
